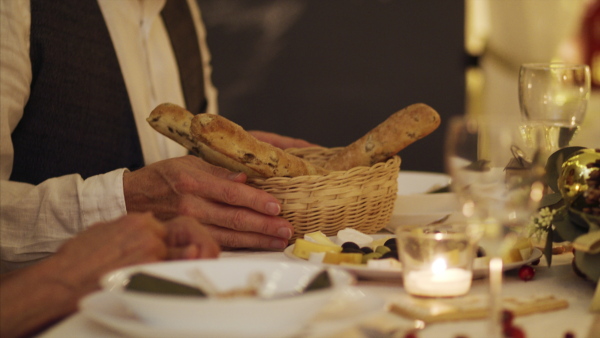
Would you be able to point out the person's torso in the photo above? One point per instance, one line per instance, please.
(78, 118)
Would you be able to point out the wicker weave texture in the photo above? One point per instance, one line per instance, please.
(361, 198)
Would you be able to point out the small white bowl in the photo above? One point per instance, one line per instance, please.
(422, 209)
(223, 317)
(420, 182)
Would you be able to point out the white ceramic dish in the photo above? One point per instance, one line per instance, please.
(238, 316)
(363, 272)
(422, 209)
(420, 182)
(480, 270)
(107, 310)
(415, 206)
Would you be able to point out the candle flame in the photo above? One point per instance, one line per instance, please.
(438, 266)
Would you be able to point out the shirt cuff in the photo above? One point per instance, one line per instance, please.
(102, 197)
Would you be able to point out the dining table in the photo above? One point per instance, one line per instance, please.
(369, 312)
(558, 280)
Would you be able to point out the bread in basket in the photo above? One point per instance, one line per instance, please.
(326, 189)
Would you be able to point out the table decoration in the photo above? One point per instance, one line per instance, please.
(437, 261)
(572, 212)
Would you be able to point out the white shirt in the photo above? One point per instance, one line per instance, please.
(36, 220)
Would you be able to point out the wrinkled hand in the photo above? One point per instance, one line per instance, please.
(188, 239)
(51, 289)
(235, 214)
(281, 141)
(132, 239)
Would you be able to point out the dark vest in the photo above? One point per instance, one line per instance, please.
(78, 118)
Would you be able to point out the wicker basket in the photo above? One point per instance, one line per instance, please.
(361, 198)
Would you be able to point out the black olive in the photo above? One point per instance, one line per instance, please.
(351, 250)
(352, 245)
(366, 249)
(391, 241)
(480, 252)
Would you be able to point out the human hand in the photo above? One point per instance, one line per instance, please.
(188, 239)
(51, 289)
(235, 214)
(132, 239)
(281, 141)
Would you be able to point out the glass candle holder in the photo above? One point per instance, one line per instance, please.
(436, 261)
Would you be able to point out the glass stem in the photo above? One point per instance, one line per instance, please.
(495, 275)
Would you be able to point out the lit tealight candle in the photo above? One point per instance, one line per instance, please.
(439, 281)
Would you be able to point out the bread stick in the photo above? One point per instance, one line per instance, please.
(388, 138)
(230, 139)
(174, 122)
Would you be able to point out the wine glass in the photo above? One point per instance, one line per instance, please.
(497, 180)
(553, 98)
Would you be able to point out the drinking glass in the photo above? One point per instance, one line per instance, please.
(553, 98)
(498, 182)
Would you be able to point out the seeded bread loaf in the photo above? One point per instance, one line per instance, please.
(388, 138)
(222, 142)
(174, 122)
(231, 140)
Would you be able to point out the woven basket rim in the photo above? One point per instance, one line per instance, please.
(360, 170)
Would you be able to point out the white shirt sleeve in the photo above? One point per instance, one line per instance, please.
(36, 219)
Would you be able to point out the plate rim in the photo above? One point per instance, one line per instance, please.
(373, 273)
(107, 310)
(128, 323)
(428, 174)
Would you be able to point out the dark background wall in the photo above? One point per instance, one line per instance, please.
(329, 71)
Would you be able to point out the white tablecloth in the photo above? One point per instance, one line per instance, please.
(558, 280)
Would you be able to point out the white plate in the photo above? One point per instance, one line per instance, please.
(480, 272)
(422, 209)
(236, 316)
(359, 271)
(108, 310)
(364, 272)
(414, 205)
(420, 182)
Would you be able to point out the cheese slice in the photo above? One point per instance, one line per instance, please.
(303, 248)
(318, 237)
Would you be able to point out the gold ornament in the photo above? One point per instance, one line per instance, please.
(572, 181)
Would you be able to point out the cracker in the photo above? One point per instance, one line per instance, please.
(431, 310)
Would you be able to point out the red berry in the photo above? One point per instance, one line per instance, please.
(514, 332)
(526, 272)
(507, 319)
(411, 334)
